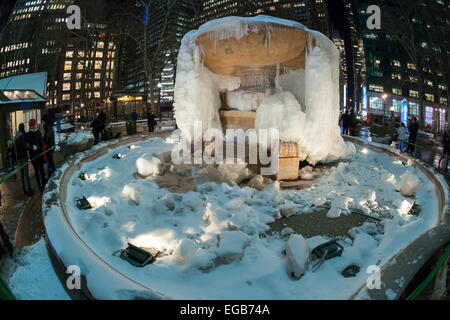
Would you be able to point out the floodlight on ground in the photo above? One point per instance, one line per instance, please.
(136, 256)
(82, 203)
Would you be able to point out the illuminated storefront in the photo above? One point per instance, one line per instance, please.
(121, 104)
(21, 98)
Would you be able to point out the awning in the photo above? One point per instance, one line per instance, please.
(26, 88)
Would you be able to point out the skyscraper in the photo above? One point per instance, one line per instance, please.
(80, 63)
(407, 60)
(168, 22)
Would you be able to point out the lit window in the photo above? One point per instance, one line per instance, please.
(414, 94)
(414, 108)
(429, 97)
(397, 92)
(68, 65)
(66, 86)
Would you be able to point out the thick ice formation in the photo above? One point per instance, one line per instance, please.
(304, 106)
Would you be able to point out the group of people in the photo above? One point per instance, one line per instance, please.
(348, 122)
(405, 137)
(36, 147)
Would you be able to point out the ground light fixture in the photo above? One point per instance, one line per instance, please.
(351, 271)
(415, 209)
(83, 176)
(136, 256)
(326, 251)
(82, 203)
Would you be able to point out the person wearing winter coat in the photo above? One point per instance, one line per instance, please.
(97, 127)
(102, 118)
(11, 155)
(22, 159)
(49, 141)
(151, 122)
(446, 145)
(413, 131)
(36, 147)
(402, 137)
(346, 123)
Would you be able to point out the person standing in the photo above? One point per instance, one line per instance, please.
(102, 118)
(22, 159)
(96, 130)
(151, 121)
(11, 155)
(446, 143)
(36, 145)
(402, 137)
(413, 131)
(134, 118)
(49, 141)
(353, 123)
(346, 123)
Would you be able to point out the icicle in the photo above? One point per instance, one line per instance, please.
(277, 79)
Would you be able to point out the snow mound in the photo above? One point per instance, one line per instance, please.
(183, 250)
(337, 206)
(298, 256)
(34, 277)
(149, 167)
(234, 173)
(410, 184)
(231, 247)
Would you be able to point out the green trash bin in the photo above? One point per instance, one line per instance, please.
(131, 127)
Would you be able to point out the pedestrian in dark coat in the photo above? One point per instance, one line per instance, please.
(353, 123)
(49, 141)
(446, 145)
(413, 131)
(97, 126)
(22, 159)
(36, 147)
(134, 116)
(151, 122)
(102, 118)
(346, 123)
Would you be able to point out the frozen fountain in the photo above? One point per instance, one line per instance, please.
(263, 73)
(251, 242)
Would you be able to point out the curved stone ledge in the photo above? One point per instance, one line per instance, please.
(97, 275)
(102, 281)
(408, 262)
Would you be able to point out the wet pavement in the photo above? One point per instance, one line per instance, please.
(16, 205)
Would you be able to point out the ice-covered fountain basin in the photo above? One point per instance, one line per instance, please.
(97, 264)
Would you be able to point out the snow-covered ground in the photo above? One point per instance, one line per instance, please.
(77, 137)
(216, 237)
(31, 275)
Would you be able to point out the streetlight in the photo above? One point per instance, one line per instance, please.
(384, 96)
